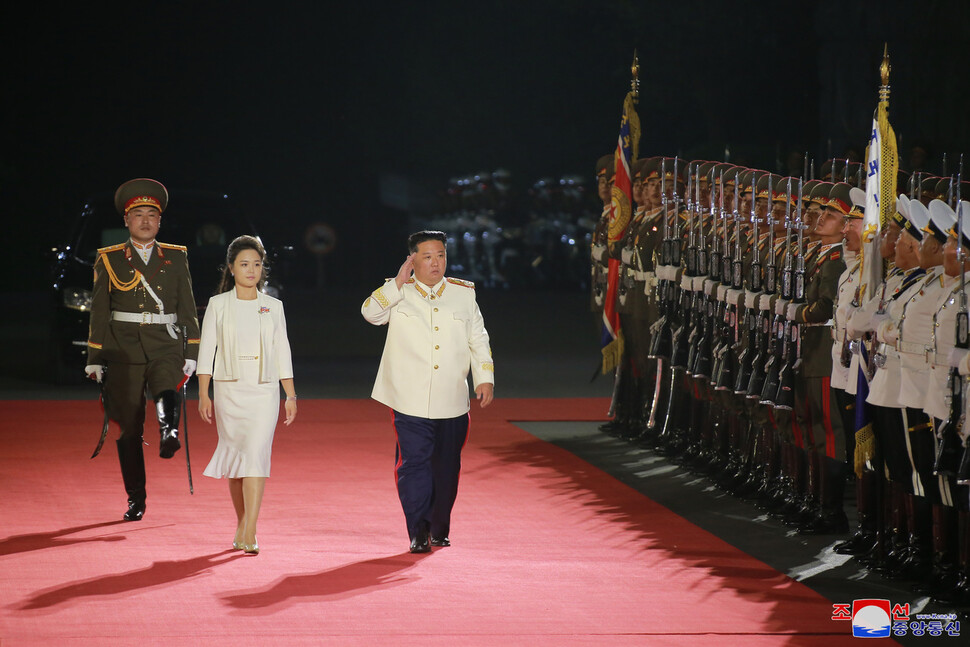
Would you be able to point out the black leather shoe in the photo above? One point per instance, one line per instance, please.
(440, 541)
(420, 544)
(136, 510)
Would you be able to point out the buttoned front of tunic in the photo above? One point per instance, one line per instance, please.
(916, 337)
(435, 336)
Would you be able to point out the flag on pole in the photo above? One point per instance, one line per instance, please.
(882, 165)
(620, 213)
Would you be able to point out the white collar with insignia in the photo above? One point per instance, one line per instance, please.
(145, 251)
(430, 292)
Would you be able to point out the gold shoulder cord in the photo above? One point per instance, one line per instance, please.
(117, 284)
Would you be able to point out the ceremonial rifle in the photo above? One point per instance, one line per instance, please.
(681, 335)
(792, 352)
(950, 454)
(724, 357)
(746, 360)
(765, 343)
(778, 328)
(705, 301)
(660, 342)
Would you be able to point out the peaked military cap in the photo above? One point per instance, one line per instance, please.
(141, 192)
(763, 182)
(964, 224)
(833, 170)
(858, 199)
(917, 218)
(840, 198)
(942, 220)
(807, 188)
(902, 211)
(604, 166)
(820, 193)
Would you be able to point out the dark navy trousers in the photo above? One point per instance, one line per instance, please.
(427, 466)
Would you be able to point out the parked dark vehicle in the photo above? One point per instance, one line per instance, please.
(202, 221)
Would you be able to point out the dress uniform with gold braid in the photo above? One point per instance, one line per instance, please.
(138, 309)
(814, 321)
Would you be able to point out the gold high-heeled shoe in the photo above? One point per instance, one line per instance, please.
(250, 549)
(236, 545)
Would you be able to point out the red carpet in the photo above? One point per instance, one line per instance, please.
(547, 550)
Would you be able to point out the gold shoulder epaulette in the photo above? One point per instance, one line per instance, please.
(181, 248)
(461, 282)
(410, 280)
(112, 248)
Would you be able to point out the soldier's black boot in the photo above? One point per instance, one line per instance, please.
(916, 562)
(944, 575)
(897, 540)
(865, 534)
(831, 519)
(959, 594)
(132, 460)
(808, 503)
(168, 408)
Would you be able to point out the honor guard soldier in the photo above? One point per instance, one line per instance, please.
(142, 305)
(912, 334)
(814, 321)
(599, 254)
(890, 418)
(949, 579)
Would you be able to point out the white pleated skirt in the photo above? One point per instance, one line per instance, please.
(246, 414)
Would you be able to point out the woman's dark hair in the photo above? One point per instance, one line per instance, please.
(227, 282)
(419, 237)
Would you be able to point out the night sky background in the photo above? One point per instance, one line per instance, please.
(300, 111)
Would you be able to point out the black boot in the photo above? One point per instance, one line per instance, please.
(865, 534)
(132, 460)
(959, 594)
(916, 564)
(831, 519)
(809, 502)
(944, 575)
(168, 407)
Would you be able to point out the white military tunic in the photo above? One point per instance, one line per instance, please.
(914, 338)
(884, 388)
(435, 335)
(842, 376)
(944, 339)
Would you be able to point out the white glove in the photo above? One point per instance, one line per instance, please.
(957, 357)
(685, 283)
(189, 367)
(94, 371)
(887, 333)
(780, 306)
(751, 299)
(626, 256)
(792, 311)
(764, 303)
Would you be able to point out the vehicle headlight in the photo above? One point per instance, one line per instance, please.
(77, 299)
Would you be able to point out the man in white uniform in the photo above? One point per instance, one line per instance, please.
(435, 335)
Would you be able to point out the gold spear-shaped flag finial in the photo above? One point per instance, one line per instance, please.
(884, 69)
(635, 73)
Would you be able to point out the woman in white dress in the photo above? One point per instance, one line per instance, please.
(245, 353)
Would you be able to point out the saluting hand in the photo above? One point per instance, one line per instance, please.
(404, 273)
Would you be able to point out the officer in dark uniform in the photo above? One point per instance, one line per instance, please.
(141, 307)
(814, 321)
